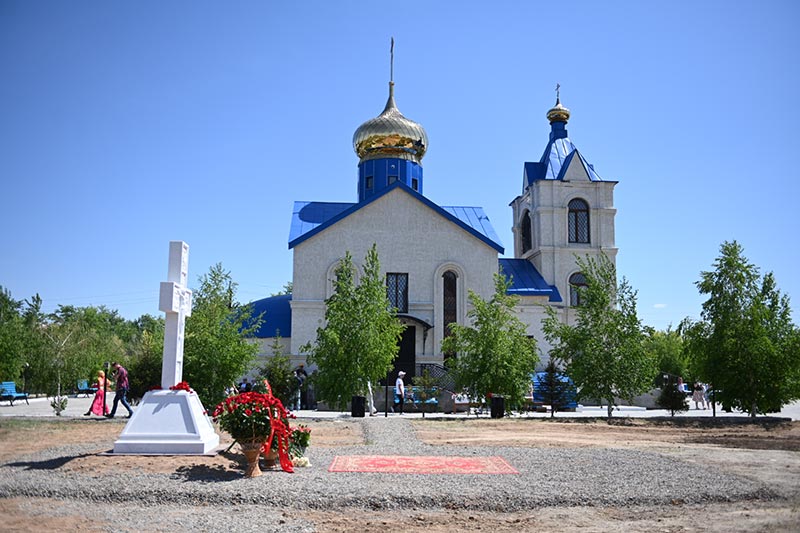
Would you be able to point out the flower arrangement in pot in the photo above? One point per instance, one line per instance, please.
(298, 442)
(256, 421)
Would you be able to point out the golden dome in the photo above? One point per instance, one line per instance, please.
(558, 113)
(390, 134)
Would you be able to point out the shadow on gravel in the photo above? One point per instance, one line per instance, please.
(206, 474)
(48, 464)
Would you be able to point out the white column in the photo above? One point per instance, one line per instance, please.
(175, 299)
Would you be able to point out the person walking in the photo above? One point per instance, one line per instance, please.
(300, 379)
(698, 397)
(121, 394)
(99, 396)
(399, 391)
(301, 373)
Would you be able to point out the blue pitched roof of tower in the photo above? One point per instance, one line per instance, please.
(310, 218)
(556, 158)
(526, 280)
(276, 318)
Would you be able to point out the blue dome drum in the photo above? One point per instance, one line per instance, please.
(390, 148)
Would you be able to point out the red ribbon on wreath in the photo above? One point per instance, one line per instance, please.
(279, 430)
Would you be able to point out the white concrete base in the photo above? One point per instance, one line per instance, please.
(168, 422)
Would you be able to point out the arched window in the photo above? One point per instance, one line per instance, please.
(575, 281)
(449, 302)
(578, 221)
(525, 226)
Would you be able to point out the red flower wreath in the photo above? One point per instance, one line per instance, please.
(182, 386)
(252, 415)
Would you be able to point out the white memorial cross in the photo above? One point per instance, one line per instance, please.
(175, 299)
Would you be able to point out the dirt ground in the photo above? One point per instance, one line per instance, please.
(768, 452)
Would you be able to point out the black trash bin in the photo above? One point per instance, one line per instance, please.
(498, 407)
(358, 406)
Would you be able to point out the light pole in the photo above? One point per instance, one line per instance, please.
(386, 396)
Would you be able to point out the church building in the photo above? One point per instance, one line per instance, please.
(433, 254)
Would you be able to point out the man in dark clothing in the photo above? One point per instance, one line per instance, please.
(122, 390)
(301, 375)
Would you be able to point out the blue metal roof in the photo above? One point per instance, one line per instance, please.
(277, 316)
(309, 215)
(555, 160)
(475, 218)
(310, 218)
(526, 280)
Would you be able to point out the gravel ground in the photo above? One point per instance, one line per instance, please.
(548, 477)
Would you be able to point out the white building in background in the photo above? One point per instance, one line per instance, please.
(432, 255)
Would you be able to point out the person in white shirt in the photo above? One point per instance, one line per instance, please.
(399, 391)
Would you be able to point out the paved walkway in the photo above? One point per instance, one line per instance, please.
(40, 407)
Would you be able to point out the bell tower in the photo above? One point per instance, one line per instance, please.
(565, 209)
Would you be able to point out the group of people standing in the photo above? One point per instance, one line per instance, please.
(99, 406)
(700, 393)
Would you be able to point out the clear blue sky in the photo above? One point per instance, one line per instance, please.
(124, 125)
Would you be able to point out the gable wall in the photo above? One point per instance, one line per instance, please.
(411, 238)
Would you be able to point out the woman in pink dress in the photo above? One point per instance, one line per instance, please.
(97, 404)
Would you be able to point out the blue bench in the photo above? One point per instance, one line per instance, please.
(412, 396)
(8, 392)
(84, 388)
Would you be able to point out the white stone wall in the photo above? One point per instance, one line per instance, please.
(547, 201)
(411, 238)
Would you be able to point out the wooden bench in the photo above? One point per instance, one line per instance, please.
(84, 388)
(8, 391)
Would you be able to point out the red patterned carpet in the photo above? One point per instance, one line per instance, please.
(398, 464)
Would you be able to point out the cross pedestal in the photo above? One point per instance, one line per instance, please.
(171, 422)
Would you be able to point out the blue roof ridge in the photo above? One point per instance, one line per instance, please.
(414, 194)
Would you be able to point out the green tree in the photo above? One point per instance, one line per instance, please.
(278, 371)
(287, 289)
(145, 354)
(217, 346)
(98, 337)
(746, 347)
(13, 335)
(555, 388)
(671, 398)
(495, 353)
(360, 338)
(68, 345)
(604, 350)
(667, 349)
(426, 385)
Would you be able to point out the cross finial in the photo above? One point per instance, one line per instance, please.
(558, 93)
(391, 62)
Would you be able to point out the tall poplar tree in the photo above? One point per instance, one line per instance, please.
(495, 353)
(217, 349)
(747, 347)
(604, 350)
(360, 338)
